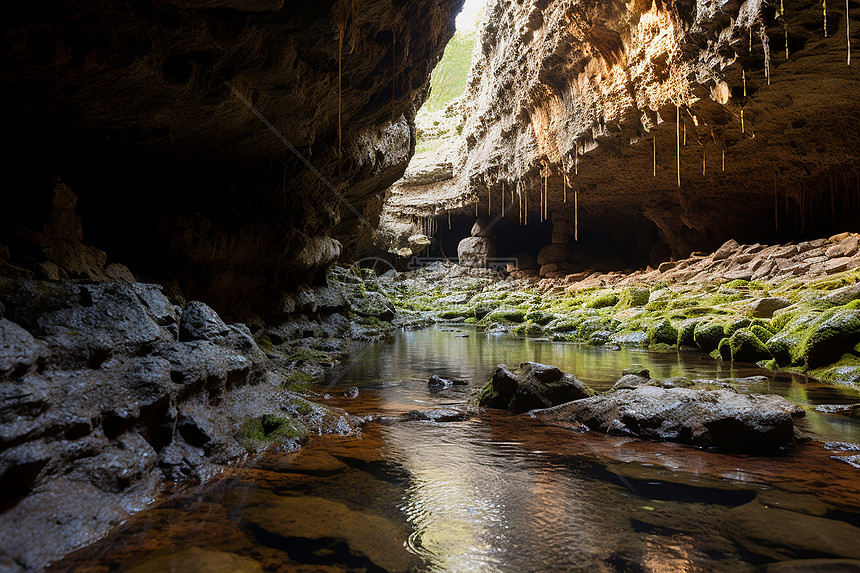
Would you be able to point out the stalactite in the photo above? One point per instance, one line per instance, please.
(520, 201)
(449, 220)
(564, 181)
(678, 141)
(341, 29)
(527, 209)
(743, 130)
(654, 145)
(703, 160)
(394, 70)
(744, 77)
(765, 45)
(724, 159)
(785, 29)
(576, 161)
(489, 199)
(503, 197)
(575, 215)
(542, 216)
(847, 32)
(476, 208)
(824, 11)
(685, 132)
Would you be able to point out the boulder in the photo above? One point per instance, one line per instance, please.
(765, 307)
(476, 252)
(743, 346)
(199, 322)
(721, 417)
(844, 248)
(843, 295)
(553, 254)
(436, 415)
(19, 351)
(727, 249)
(197, 560)
(374, 304)
(562, 230)
(532, 386)
(550, 268)
(833, 334)
(482, 228)
(780, 534)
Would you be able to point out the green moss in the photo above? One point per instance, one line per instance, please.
(506, 315)
(761, 332)
(256, 431)
(736, 325)
(310, 355)
(686, 332)
(662, 332)
(708, 335)
(744, 346)
(737, 284)
(450, 314)
(603, 300)
(835, 332)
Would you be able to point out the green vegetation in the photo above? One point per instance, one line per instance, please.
(448, 81)
(255, 433)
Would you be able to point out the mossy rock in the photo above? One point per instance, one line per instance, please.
(723, 351)
(540, 317)
(531, 386)
(761, 332)
(255, 433)
(744, 346)
(507, 315)
(707, 335)
(785, 346)
(450, 314)
(603, 299)
(637, 296)
(836, 332)
(737, 325)
(662, 332)
(310, 355)
(686, 332)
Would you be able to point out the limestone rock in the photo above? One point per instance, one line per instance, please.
(19, 351)
(476, 252)
(199, 322)
(374, 304)
(765, 307)
(553, 254)
(532, 386)
(482, 228)
(702, 417)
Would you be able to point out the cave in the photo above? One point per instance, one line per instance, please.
(414, 285)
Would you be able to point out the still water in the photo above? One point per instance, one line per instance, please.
(492, 491)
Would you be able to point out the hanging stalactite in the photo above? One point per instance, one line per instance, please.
(678, 141)
(654, 146)
(847, 32)
(449, 220)
(394, 71)
(575, 215)
(724, 159)
(743, 129)
(703, 160)
(744, 78)
(503, 197)
(765, 45)
(824, 12)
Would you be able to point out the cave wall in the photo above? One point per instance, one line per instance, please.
(131, 105)
(609, 97)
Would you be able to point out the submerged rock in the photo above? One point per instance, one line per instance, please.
(438, 383)
(371, 539)
(702, 417)
(437, 415)
(532, 386)
(197, 560)
(781, 534)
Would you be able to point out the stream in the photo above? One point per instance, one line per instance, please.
(493, 491)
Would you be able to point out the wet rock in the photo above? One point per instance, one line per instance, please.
(814, 565)
(437, 415)
(781, 534)
(199, 322)
(351, 392)
(371, 540)
(843, 295)
(765, 307)
(19, 351)
(631, 382)
(532, 386)
(702, 417)
(835, 333)
(374, 304)
(852, 410)
(476, 252)
(798, 502)
(197, 560)
(438, 383)
(743, 346)
(311, 462)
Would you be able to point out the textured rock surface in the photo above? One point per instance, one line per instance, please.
(108, 390)
(591, 89)
(702, 417)
(131, 104)
(532, 386)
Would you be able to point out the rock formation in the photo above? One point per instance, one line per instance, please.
(658, 128)
(144, 110)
